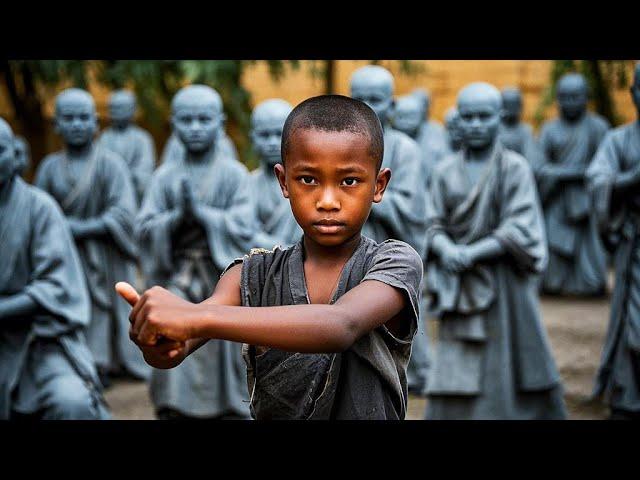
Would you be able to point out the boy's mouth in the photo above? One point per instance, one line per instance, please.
(328, 226)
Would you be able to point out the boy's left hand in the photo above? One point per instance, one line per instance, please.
(157, 314)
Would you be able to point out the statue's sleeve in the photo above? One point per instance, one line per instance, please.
(145, 164)
(601, 176)
(402, 209)
(521, 226)
(41, 179)
(57, 281)
(153, 223)
(230, 230)
(120, 206)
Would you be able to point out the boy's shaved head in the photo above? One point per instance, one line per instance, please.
(335, 113)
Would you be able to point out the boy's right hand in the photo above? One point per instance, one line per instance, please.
(165, 353)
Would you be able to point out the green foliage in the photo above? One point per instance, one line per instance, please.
(602, 76)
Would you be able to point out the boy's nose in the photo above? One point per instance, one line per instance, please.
(328, 200)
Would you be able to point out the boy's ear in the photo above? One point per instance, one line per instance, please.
(384, 176)
(282, 179)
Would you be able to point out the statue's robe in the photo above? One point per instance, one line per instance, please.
(103, 189)
(189, 261)
(46, 365)
(618, 377)
(135, 146)
(432, 140)
(577, 259)
(401, 216)
(492, 359)
(520, 139)
(274, 218)
(174, 150)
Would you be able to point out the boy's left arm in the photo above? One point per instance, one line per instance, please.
(299, 328)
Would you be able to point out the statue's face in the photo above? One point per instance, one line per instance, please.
(266, 136)
(197, 125)
(377, 95)
(572, 98)
(76, 121)
(511, 108)
(479, 120)
(7, 157)
(121, 111)
(407, 116)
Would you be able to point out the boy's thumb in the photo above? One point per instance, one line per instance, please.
(127, 292)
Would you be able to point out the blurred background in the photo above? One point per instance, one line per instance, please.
(28, 88)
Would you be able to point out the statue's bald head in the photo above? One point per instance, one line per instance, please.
(479, 92)
(122, 107)
(197, 117)
(572, 94)
(267, 124)
(272, 110)
(373, 85)
(479, 106)
(76, 120)
(8, 164)
(511, 105)
(408, 114)
(73, 97)
(451, 116)
(197, 95)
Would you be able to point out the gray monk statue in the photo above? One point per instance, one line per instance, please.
(486, 246)
(454, 133)
(577, 259)
(431, 135)
(196, 219)
(131, 142)
(94, 189)
(408, 117)
(277, 226)
(46, 371)
(401, 215)
(23, 155)
(514, 133)
(614, 180)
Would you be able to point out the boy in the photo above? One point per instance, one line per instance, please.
(335, 338)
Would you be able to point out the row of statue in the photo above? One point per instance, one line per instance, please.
(99, 212)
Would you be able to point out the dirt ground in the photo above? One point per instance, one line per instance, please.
(576, 331)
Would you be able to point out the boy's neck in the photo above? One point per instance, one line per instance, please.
(320, 254)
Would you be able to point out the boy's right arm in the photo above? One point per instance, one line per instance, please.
(169, 354)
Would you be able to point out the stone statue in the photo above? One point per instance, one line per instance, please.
(131, 142)
(47, 370)
(453, 133)
(273, 212)
(577, 259)
(94, 189)
(486, 247)
(431, 135)
(614, 181)
(401, 215)
(23, 155)
(196, 219)
(408, 116)
(514, 134)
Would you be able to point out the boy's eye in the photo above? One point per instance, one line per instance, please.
(349, 182)
(307, 180)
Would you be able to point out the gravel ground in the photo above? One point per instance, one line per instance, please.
(576, 329)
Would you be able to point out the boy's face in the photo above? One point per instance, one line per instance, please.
(331, 181)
